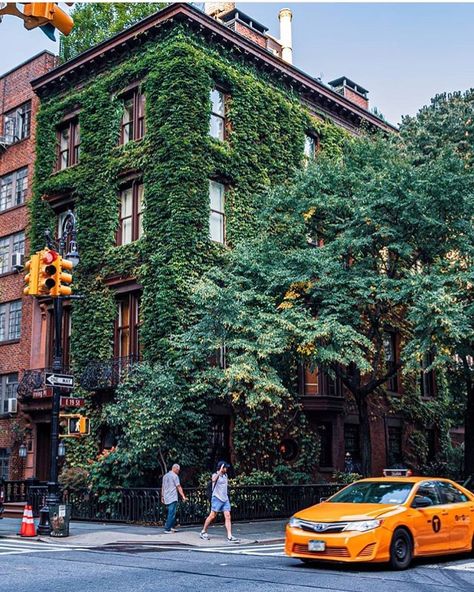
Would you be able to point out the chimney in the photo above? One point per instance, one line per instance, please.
(216, 9)
(352, 91)
(285, 17)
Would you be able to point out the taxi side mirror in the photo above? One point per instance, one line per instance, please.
(421, 501)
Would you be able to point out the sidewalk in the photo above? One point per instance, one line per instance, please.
(92, 534)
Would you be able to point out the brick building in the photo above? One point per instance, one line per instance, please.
(235, 40)
(18, 106)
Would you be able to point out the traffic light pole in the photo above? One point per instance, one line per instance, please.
(53, 497)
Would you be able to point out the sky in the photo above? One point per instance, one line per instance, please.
(404, 54)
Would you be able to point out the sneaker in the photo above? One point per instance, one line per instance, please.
(174, 530)
(167, 531)
(204, 536)
(233, 539)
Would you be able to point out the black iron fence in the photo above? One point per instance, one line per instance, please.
(144, 505)
(100, 375)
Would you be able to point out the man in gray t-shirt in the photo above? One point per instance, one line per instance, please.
(219, 502)
(169, 496)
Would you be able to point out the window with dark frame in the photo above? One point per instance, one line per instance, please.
(391, 355)
(13, 188)
(4, 464)
(126, 339)
(317, 381)
(131, 213)
(395, 455)
(133, 117)
(13, 243)
(69, 144)
(352, 441)
(218, 119)
(17, 122)
(325, 440)
(8, 386)
(217, 215)
(10, 320)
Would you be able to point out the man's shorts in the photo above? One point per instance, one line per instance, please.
(218, 505)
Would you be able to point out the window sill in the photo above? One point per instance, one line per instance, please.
(68, 168)
(19, 141)
(10, 341)
(132, 142)
(7, 273)
(10, 209)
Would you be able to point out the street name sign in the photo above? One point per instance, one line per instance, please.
(71, 402)
(62, 380)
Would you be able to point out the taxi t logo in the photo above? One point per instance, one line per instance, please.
(436, 523)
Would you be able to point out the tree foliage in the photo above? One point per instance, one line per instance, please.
(96, 21)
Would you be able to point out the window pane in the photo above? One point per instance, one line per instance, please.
(127, 202)
(309, 147)
(19, 243)
(6, 189)
(217, 127)
(14, 325)
(126, 231)
(21, 186)
(127, 121)
(140, 207)
(4, 254)
(216, 192)
(3, 316)
(217, 100)
(216, 227)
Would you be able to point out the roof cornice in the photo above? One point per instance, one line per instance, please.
(315, 90)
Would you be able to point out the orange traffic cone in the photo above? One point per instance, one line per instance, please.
(23, 522)
(29, 530)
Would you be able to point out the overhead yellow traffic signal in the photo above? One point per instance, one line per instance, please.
(31, 277)
(62, 277)
(47, 272)
(45, 15)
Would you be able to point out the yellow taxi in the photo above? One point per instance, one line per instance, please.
(387, 519)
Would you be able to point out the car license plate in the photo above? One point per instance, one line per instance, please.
(316, 546)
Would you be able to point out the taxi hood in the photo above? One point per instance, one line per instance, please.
(341, 512)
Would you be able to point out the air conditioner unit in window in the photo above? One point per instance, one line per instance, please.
(18, 261)
(12, 405)
(5, 141)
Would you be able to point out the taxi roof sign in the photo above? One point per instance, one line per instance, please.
(397, 472)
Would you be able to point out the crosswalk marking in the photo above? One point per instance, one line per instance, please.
(461, 566)
(273, 550)
(18, 547)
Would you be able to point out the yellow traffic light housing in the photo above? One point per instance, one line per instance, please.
(31, 277)
(76, 425)
(46, 15)
(64, 278)
(48, 272)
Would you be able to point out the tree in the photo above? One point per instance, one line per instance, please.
(444, 316)
(95, 22)
(331, 272)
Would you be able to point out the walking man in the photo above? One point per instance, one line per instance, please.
(169, 496)
(219, 502)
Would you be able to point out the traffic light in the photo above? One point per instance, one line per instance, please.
(76, 425)
(31, 277)
(47, 272)
(45, 15)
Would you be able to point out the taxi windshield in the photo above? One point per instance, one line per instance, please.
(373, 492)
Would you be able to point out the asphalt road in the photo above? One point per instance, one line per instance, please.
(36, 567)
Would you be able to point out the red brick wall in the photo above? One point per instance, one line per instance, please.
(356, 98)
(15, 89)
(254, 36)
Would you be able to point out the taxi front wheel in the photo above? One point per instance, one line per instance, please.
(401, 549)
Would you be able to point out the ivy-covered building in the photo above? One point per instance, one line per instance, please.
(162, 140)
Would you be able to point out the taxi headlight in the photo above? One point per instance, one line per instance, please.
(363, 525)
(295, 522)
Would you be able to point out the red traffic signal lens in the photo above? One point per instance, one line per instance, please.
(49, 257)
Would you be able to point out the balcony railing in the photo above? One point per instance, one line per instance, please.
(34, 380)
(101, 375)
(19, 491)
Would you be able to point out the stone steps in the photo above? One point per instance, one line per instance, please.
(14, 509)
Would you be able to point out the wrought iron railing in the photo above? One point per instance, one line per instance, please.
(144, 505)
(100, 375)
(34, 380)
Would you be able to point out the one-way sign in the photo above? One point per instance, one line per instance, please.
(63, 380)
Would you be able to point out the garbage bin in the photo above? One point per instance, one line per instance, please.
(59, 518)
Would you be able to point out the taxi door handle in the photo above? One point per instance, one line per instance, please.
(444, 513)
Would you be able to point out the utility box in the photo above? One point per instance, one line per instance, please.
(59, 518)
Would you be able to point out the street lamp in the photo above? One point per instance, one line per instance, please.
(62, 449)
(23, 451)
(67, 239)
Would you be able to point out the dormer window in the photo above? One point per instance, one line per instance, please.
(133, 116)
(218, 121)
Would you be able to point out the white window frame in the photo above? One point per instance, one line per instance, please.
(218, 117)
(12, 243)
(17, 193)
(217, 214)
(17, 122)
(8, 386)
(6, 315)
